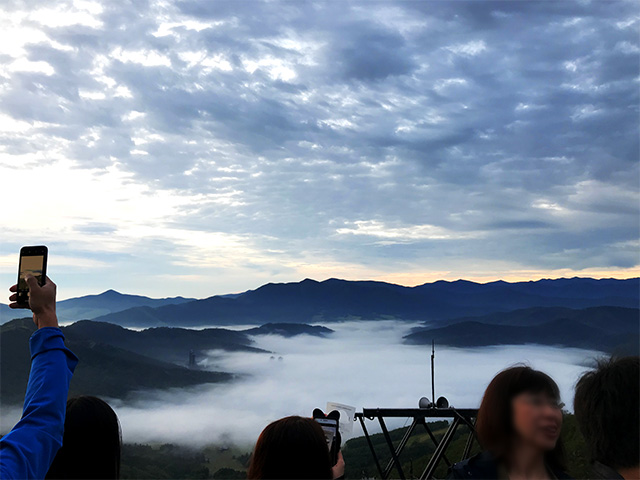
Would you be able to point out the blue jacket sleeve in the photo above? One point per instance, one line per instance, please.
(28, 450)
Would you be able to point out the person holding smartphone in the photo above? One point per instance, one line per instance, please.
(293, 448)
(28, 450)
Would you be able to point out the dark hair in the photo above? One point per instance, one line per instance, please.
(606, 408)
(292, 447)
(494, 425)
(91, 444)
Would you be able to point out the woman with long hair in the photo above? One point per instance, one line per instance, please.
(91, 443)
(518, 427)
(293, 448)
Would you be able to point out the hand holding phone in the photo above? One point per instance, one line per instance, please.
(329, 424)
(338, 469)
(34, 289)
(33, 262)
(41, 301)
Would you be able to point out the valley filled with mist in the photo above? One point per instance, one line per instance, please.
(364, 364)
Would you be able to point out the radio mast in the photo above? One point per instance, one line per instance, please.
(433, 383)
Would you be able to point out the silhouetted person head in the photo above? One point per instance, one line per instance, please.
(521, 411)
(91, 444)
(606, 406)
(292, 447)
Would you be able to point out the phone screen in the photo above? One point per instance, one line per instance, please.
(33, 261)
(330, 429)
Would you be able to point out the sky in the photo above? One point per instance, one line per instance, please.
(196, 147)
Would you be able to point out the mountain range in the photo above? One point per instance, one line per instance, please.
(333, 299)
(116, 361)
(310, 301)
(606, 329)
(289, 330)
(92, 306)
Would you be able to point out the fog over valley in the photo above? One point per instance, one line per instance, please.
(364, 364)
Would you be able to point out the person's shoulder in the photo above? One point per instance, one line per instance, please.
(482, 465)
(558, 472)
(600, 470)
(561, 474)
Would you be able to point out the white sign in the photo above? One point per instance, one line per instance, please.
(347, 413)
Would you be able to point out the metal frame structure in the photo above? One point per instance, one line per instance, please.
(458, 416)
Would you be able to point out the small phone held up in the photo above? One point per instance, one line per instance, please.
(33, 261)
(329, 424)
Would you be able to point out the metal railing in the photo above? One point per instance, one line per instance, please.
(458, 416)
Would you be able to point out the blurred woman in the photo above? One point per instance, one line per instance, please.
(518, 427)
(293, 448)
(91, 444)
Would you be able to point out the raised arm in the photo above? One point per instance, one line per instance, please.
(28, 450)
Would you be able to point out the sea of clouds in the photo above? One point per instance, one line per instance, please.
(363, 364)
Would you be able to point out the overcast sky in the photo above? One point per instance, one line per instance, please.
(198, 147)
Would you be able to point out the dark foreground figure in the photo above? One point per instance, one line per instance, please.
(606, 405)
(518, 427)
(91, 444)
(293, 448)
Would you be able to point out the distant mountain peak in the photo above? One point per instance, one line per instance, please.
(111, 293)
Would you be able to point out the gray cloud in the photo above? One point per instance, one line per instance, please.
(512, 125)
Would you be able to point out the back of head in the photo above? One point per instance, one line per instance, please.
(292, 447)
(91, 444)
(606, 408)
(494, 424)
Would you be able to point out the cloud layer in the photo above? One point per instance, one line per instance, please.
(363, 364)
(248, 141)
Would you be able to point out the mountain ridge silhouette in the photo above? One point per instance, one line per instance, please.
(333, 299)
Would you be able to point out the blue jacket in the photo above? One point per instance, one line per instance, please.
(28, 450)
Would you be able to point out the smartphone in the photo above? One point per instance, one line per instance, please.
(330, 429)
(33, 260)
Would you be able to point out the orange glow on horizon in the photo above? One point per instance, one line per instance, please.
(413, 279)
